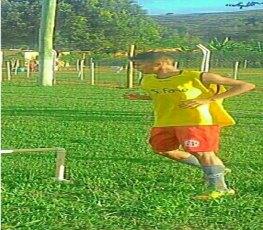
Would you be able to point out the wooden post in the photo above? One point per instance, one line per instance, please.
(8, 66)
(130, 68)
(92, 72)
(236, 70)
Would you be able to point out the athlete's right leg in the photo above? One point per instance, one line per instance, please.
(165, 143)
(182, 157)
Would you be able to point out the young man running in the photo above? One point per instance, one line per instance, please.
(188, 113)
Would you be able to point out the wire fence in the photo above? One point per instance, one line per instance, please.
(114, 71)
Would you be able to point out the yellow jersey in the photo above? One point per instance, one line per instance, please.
(167, 93)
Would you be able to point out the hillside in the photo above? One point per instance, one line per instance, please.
(239, 26)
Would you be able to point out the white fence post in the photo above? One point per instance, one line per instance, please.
(130, 68)
(140, 76)
(77, 65)
(28, 69)
(54, 56)
(245, 64)
(17, 64)
(60, 163)
(92, 72)
(236, 70)
(80, 75)
(206, 58)
(8, 67)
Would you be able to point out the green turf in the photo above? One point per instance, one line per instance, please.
(115, 181)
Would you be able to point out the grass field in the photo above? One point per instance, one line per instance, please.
(115, 181)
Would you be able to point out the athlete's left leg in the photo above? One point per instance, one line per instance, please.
(202, 142)
(213, 168)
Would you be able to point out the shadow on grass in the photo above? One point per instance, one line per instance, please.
(136, 160)
(79, 115)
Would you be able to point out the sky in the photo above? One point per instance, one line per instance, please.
(193, 6)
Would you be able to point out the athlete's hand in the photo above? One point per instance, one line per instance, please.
(194, 103)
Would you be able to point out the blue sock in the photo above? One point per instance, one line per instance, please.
(215, 176)
(191, 160)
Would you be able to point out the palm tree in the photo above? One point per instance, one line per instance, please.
(215, 44)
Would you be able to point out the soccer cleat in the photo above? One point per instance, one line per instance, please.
(227, 171)
(216, 194)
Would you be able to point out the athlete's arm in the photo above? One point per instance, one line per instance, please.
(237, 87)
(136, 97)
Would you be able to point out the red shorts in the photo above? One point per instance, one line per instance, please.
(191, 138)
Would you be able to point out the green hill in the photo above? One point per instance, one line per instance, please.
(239, 26)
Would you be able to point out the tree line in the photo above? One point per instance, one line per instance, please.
(105, 27)
(94, 25)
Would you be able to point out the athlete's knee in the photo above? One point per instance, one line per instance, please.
(175, 154)
(208, 158)
(201, 155)
(162, 153)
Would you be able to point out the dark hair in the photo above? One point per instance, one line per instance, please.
(152, 56)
